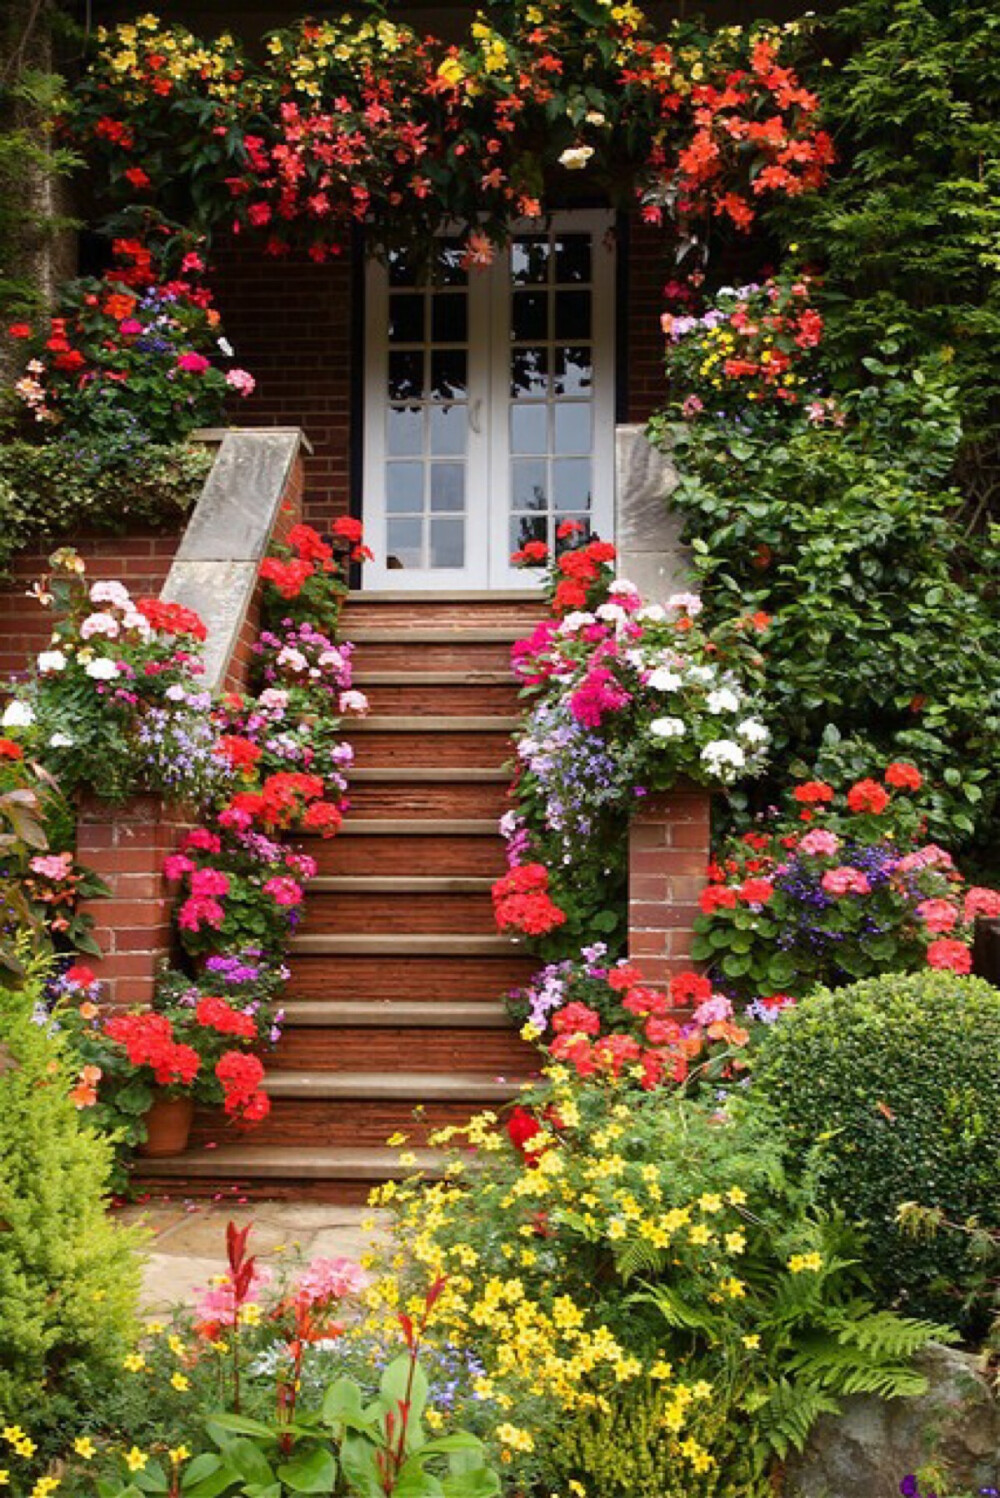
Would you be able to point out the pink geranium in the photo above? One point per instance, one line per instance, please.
(216, 1306)
(981, 901)
(192, 363)
(330, 1279)
(211, 883)
(284, 891)
(844, 881)
(198, 912)
(597, 694)
(819, 843)
(937, 915)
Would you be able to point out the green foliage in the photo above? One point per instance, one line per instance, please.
(68, 1276)
(114, 484)
(906, 231)
(892, 1087)
(885, 614)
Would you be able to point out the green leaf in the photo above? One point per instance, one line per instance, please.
(242, 1425)
(359, 1468)
(480, 1482)
(312, 1471)
(250, 1463)
(395, 1381)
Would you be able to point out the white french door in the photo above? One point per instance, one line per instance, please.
(489, 405)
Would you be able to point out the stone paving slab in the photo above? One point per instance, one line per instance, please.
(187, 1242)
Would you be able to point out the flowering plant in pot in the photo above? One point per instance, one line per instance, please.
(621, 699)
(842, 885)
(144, 1070)
(114, 702)
(130, 351)
(308, 574)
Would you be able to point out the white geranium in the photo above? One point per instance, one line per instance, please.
(703, 674)
(101, 669)
(612, 613)
(722, 756)
(753, 731)
(575, 158)
(623, 586)
(576, 621)
(139, 623)
(664, 680)
(100, 624)
(110, 592)
(51, 660)
(667, 728)
(17, 715)
(292, 658)
(653, 613)
(723, 700)
(175, 693)
(690, 603)
(61, 741)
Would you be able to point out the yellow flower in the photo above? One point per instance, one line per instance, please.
(451, 70)
(154, 1328)
(135, 1459)
(710, 1202)
(134, 1363)
(178, 1454)
(752, 1341)
(700, 1234)
(176, 1345)
(736, 1242)
(44, 1486)
(250, 1315)
(181, 1382)
(516, 1439)
(798, 1262)
(736, 1196)
(4, 1477)
(734, 1288)
(84, 1446)
(13, 1434)
(25, 1446)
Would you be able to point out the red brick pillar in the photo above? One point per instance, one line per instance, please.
(125, 844)
(669, 849)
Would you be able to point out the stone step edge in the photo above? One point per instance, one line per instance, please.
(428, 775)
(471, 678)
(395, 884)
(395, 943)
(486, 597)
(290, 1163)
(392, 1014)
(433, 723)
(387, 634)
(422, 826)
(391, 1087)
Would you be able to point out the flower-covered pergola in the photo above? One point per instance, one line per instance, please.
(363, 120)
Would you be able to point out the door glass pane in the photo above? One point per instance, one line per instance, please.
(529, 427)
(406, 318)
(402, 269)
(571, 427)
(528, 485)
(449, 318)
(406, 375)
(449, 374)
(404, 431)
(525, 528)
(404, 488)
(574, 371)
(448, 267)
(404, 543)
(529, 258)
(573, 258)
(449, 429)
(531, 316)
(529, 369)
(447, 486)
(447, 543)
(572, 314)
(571, 483)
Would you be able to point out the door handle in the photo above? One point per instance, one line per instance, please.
(475, 415)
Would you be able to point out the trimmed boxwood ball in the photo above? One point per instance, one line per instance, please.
(893, 1086)
(69, 1278)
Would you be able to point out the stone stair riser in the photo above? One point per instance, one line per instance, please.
(394, 914)
(420, 978)
(492, 1052)
(417, 854)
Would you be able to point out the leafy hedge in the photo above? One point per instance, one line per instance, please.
(64, 487)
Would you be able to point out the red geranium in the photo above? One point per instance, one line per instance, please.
(868, 795)
(218, 1014)
(171, 618)
(813, 792)
(946, 953)
(521, 901)
(903, 776)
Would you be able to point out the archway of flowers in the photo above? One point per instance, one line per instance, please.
(362, 120)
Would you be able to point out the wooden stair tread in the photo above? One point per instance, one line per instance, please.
(397, 1086)
(433, 678)
(434, 723)
(433, 598)
(389, 944)
(292, 1162)
(428, 774)
(392, 884)
(395, 1013)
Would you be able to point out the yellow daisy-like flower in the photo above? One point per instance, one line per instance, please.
(44, 1486)
(751, 1341)
(154, 1328)
(84, 1446)
(178, 1454)
(25, 1447)
(181, 1382)
(736, 1196)
(13, 1434)
(4, 1477)
(134, 1363)
(800, 1262)
(176, 1345)
(135, 1459)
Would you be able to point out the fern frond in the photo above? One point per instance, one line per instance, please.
(885, 1334)
(676, 1311)
(785, 1419)
(639, 1257)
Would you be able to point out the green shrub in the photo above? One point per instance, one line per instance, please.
(65, 486)
(897, 1081)
(68, 1277)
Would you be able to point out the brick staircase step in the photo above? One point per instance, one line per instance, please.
(388, 650)
(390, 884)
(430, 774)
(413, 827)
(342, 1173)
(386, 944)
(377, 747)
(458, 677)
(399, 911)
(422, 846)
(390, 1086)
(435, 723)
(412, 634)
(418, 797)
(311, 1120)
(484, 1051)
(405, 611)
(427, 979)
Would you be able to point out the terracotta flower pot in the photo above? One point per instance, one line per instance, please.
(168, 1124)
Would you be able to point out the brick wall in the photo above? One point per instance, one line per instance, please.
(140, 560)
(669, 844)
